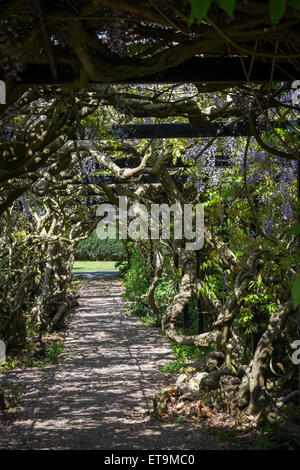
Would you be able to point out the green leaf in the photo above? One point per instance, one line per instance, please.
(295, 4)
(296, 291)
(227, 5)
(198, 9)
(296, 228)
(277, 8)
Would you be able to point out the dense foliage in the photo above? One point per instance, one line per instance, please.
(54, 138)
(94, 249)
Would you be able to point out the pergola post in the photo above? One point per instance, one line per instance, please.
(200, 316)
(186, 317)
(186, 307)
(175, 260)
(151, 259)
(298, 313)
(256, 334)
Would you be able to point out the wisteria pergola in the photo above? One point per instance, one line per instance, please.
(75, 44)
(165, 131)
(80, 50)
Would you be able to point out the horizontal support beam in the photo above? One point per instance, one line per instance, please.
(133, 162)
(220, 161)
(219, 70)
(197, 69)
(109, 180)
(173, 131)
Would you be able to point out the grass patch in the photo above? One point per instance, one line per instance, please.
(94, 266)
(50, 358)
(184, 355)
(54, 351)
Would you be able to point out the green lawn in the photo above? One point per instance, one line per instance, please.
(94, 266)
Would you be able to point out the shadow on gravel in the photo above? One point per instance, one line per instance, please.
(99, 395)
(97, 274)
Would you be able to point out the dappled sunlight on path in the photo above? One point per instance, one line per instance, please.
(100, 393)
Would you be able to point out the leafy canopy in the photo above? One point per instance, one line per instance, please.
(199, 8)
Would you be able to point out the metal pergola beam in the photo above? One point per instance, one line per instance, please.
(221, 161)
(132, 162)
(197, 69)
(109, 180)
(173, 131)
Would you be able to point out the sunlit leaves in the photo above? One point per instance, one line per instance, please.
(296, 229)
(294, 4)
(296, 291)
(199, 8)
(227, 5)
(296, 286)
(277, 9)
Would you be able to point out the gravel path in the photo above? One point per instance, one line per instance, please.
(100, 393)
(96, 274)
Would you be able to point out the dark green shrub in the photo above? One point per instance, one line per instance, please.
(136, 277)
(93, 249)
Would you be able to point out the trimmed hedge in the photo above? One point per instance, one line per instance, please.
(93, 249)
